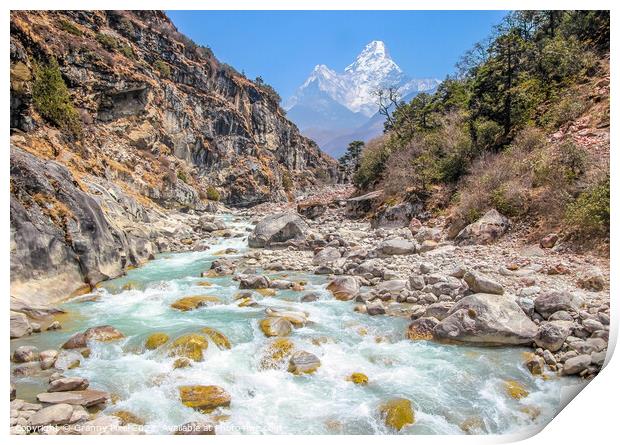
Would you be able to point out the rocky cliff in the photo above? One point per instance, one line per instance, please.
(151, 122)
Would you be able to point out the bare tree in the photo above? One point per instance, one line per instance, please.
(388, 99)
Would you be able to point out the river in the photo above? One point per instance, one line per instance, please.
(447, 384)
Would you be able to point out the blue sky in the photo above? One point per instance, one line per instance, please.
(284, 46)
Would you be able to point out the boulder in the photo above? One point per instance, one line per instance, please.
(25, 354)
(275, 327)
(309, 297)
(204, 398)
(358, 378)
(344, 288)
(392, 287)
(302, 362)
(193, 302)
(76, 341)
(397, 413)
(59, 414)
(20, 325)
(360, 205)
(487, 319)
(577, 364)
(68, 360)
(277, 229)
(397, 247)
(551, 335)
(190, 346)
(311, 210)
(253, 282)
(375, 307)
(296, 318)
(548, 241)
(326, 256)
(155, 340)
(438, 310)
(486, 230)
(593, 281)
(68, 384)
(86, 397)
(422, 328)
(48, 358)
(277, 353)
(103, 333)
(396, 216)
(551, 302)
(479, 283)
(220, 340)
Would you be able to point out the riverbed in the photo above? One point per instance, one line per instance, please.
(449, 386)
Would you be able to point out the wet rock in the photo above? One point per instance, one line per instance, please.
(397, 247)
(486, 230)
(77, 340)
(127, 417)
(344, 288)
(487, 319)
(515, 389)
(275, 327)
(67, 360)
(535, 364)
(20, 325)
(422, 329)
(190, 346)
(59, 414)
(68, 384)
(220, 340)
(47, 358)
(86, 398)
(193, 302)
(25, 354)
(277, 229)
(204, 398)
(473, 425)
(155, 340)
(54, 326)
(103, 333)
(277, 353)
(302, 362)
(26, 369)
(479, 283)
(296, 318)
(375, 307)
(554, 301)
(397, 413)
(309, 297)
(358, 378)
(281, 284)
(551, 335)
(576, 364)
(253, 282)
(195, 429)
(181, 362)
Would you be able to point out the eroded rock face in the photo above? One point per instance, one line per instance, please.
(278, 228)
(487, 319)
(484, 231)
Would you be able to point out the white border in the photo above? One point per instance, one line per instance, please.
(590, 418)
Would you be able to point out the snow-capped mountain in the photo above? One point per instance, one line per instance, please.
(330, 105)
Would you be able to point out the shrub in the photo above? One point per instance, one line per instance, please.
(52, 100)
(212, 194)
(107, 41)
(372, 162)
(127, 51)
(287, 182)
(589, 213)
(163, 68)
(182, 175)
(69, 27)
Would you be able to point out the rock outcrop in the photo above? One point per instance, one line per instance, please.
(156, 123)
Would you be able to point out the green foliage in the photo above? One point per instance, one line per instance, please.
(127, 51)
(287, 181)
(69, 27)
(182, 175)
(163, 68)
(212, 194)
(589, 214)
(52, 99)
(372, 163)
(108, 42)
(352, 155)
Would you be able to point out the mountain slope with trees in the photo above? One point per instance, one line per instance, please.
(523, 127)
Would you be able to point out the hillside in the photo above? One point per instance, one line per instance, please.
(522, 128)
(116, 118)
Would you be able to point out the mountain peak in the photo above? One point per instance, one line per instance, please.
(374, 57)
(375, 47)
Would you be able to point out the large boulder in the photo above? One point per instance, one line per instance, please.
(204, 398)
(86, 398)
(276, 327)
(303, 362)
(278, 229)
(422, 328)
(577, 364)
(484, 231)
(253, 282)
(554, 301)
(397, 247)
(326, 256)
(361, 205)
(396, 216)
(68, 384)
(487, 319)
(20, 325)
(481, 284)
(344, 288)
(59, 414)
(397, 413)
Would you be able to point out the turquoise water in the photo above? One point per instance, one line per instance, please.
(446, 384)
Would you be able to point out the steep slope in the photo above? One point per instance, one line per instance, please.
(117, 118)
(329, 105)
